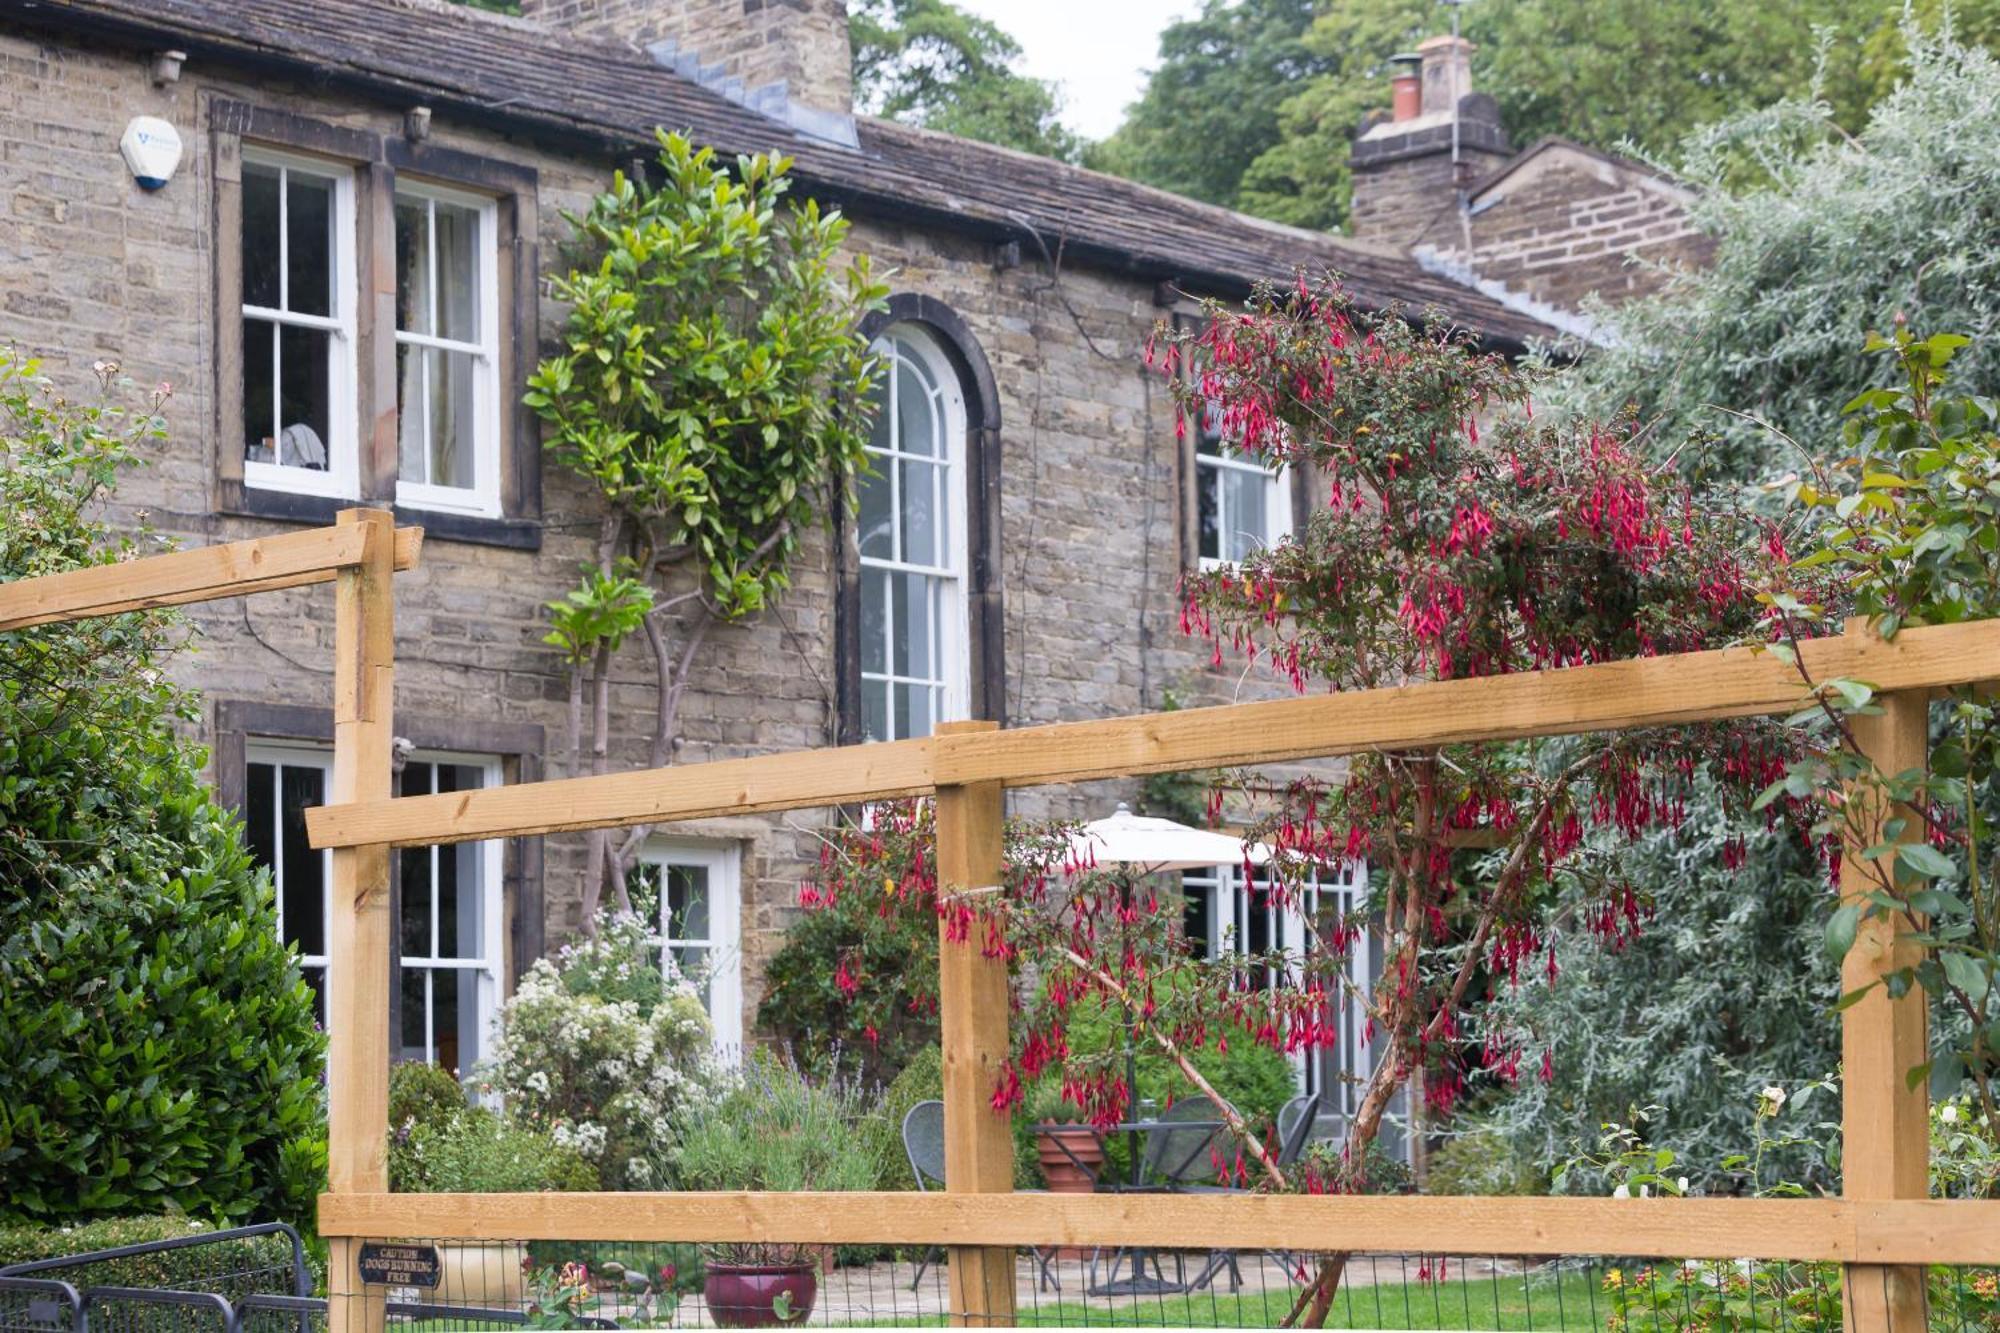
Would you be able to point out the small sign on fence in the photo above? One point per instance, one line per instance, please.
(400, 1265)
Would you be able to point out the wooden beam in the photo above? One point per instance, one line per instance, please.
(1655, 691)
(357, 993)
(1642, 692)
(796, 780)
(1885, 1122)
(1956, 1231)
(972, 1031)
(200, 575)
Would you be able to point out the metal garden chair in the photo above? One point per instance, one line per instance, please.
(923, 1145)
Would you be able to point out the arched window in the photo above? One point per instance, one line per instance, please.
(912, 534)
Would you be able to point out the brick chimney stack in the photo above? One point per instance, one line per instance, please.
(1403, 163)
(775, 55)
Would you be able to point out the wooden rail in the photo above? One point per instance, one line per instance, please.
(1883, 1230)
(1647, 692)
(203, 574)
(1832, 1230)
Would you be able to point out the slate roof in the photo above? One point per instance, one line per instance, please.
(609, 98)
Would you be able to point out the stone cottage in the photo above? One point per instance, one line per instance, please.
(366, 205)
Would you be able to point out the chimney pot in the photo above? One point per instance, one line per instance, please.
(1406, 86)
(1447, 71)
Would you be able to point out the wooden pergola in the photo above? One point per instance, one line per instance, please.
(1883, 1228)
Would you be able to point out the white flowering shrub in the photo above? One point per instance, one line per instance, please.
(599, 1049)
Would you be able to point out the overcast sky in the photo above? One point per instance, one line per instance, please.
(1096, 52)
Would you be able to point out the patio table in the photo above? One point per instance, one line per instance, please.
(1137, 1281)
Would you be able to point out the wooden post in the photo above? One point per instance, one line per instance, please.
(1885, 1128)
(357, 972)
(972, 1023)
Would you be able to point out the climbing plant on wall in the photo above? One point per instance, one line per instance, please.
(713, 389)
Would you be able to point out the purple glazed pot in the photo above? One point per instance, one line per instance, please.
(743, 1295)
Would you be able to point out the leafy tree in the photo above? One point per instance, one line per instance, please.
(1821, 235)
(1462, 538)
(711, 386)
(1211, 107)
(932, 64)
(160, 1046)
(1254, 104)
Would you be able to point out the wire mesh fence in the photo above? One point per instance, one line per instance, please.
(660, 1285)
(469, 1287)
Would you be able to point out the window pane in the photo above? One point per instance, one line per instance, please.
(1194, 918)
(315, 977)
(687, 902)
(1208, 430)
(881, 431)
(304, 400)
(308, 244)
(1246, 496)
(412, 448)
(412, 1025)
(916, 423)
(457, 272)
(915, 630)
(260, 814)
(414, 864)
(692, 962)
(260, 235)
(303, 889)
(875, 620)
(875, 711)
(451, 384)
(913, 710)
(260, 340)
(461, 902)
(1207, 485)
(920, 516)
(444, 1018)
(877, 527)
(413, 281)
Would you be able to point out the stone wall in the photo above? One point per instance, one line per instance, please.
(1566, 222)
(92, 267)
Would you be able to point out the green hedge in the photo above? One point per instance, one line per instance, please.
(231, 1267)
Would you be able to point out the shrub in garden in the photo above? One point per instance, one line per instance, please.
(778, 1128)
(922, 1080)
(481, 1152)
(856, 978)
(160, 1045)
(252, 1263)
(600, 1073)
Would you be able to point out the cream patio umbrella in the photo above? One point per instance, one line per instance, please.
(1149, 846)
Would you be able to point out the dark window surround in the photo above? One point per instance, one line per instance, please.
(1185, 470)
(377, 158)
(519, 745)
(985, 602)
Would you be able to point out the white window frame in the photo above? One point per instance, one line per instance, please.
(483, 496)
(723, 862)
(491, 913)
(305, 754)
(1228, 910)
(951, 622)
(1210, 469)
(342, 478)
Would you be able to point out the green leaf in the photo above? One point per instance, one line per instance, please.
(1841, 928)
(1923, 859)
(1966, 973)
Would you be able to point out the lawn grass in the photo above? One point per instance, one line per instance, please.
(1570, 1301)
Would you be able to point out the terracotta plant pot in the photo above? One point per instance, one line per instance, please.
(485, 1273)
(1074, 1171)
(746, 1295)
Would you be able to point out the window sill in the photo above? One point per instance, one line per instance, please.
(516, 534)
